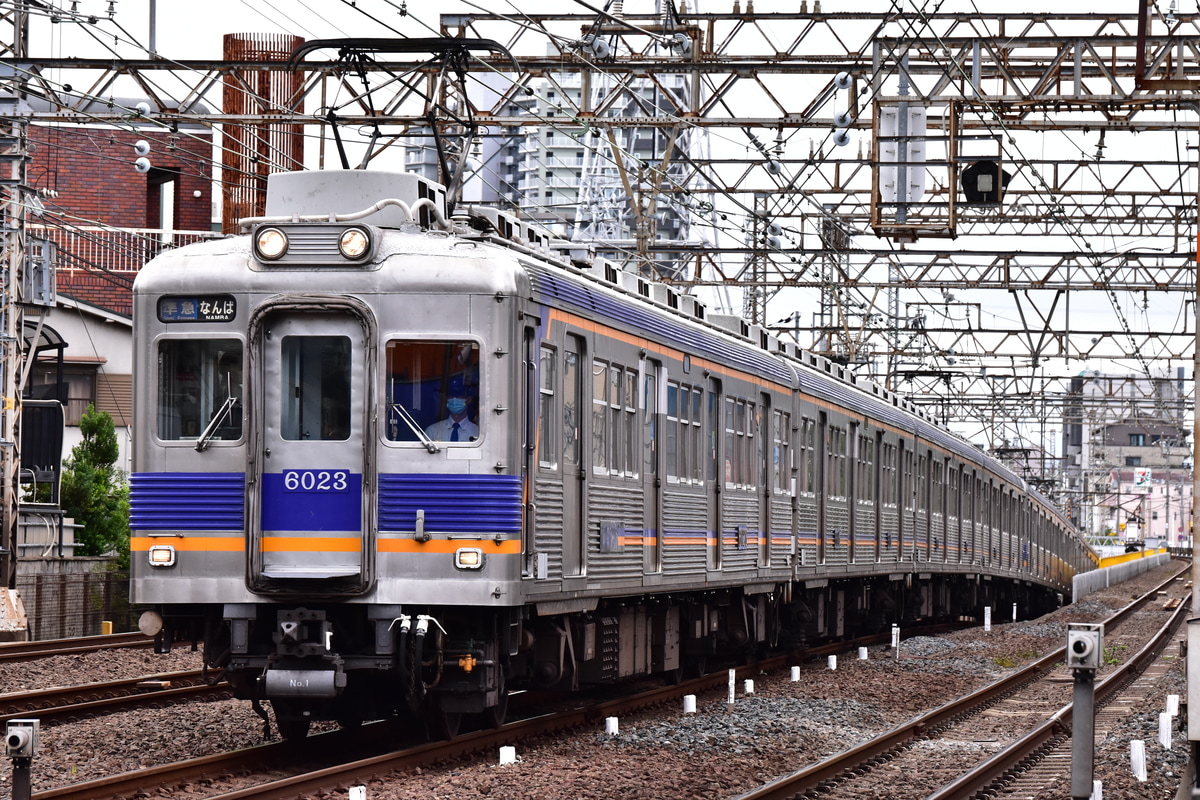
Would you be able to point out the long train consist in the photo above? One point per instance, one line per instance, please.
(387, 462)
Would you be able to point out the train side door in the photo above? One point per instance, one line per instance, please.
(310, 518)
(652, 478)
(576, 410)
(766, 473)
(716, 475)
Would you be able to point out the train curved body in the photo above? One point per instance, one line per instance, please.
(633, 485)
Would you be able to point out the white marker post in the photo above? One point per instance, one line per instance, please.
(732, 690)
(1137, 759)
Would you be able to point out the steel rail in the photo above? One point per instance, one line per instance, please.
(928, 724)
(1049, 733)
(27, 651)
(73, 703)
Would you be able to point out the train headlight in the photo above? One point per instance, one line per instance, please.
(162, 555)
(354, 243)
(468, 558)
(271, 243)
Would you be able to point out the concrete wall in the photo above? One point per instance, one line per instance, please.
(1089, 582)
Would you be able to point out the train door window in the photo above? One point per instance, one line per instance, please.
(730, 436)
(651, 420)
(571, 411)
(887, 474)
(714, 428)
(835, 452)
(547, 446)
(599, 417)
(937, 503)
(781, 462)
(315, 377)
(754, 444)
(866, 469)
(921, 486)
(199, 380)
(672, 432)
(808, 456)
(631, 424)
(695, 437)
(910, 494)
(433, 390)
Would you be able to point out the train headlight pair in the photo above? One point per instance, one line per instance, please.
(271, 244)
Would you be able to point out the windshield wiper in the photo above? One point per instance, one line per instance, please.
(218, 418)
(402, 412)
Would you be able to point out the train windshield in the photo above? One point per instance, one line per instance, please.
(199, 381)
(433, 391)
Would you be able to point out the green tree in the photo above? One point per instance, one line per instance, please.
(94, 491)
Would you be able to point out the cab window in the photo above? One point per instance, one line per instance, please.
(433, 391)
(199, 380)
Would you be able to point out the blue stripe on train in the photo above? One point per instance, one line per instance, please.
(452, 503)
(187, 501)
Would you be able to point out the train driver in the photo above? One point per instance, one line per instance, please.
(457, 427)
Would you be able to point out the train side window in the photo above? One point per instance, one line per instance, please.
(199, 379)
(599, 417)
(782, 430)
(315, 377)
(433, 387)
(547, 447)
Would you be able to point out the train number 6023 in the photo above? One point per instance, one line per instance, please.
(316, 480)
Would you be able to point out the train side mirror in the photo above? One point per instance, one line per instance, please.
(21, 738)
(1085, 642)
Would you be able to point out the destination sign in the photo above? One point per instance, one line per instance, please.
(201, 308)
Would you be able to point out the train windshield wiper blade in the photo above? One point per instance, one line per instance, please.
(402, 412)
(218, 418)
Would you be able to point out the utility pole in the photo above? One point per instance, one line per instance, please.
(14, 116)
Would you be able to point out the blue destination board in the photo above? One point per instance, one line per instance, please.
(200, 308)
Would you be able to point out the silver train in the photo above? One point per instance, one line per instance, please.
(390, 463)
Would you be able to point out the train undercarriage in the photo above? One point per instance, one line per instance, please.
(444, 667)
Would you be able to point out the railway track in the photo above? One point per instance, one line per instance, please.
(335, 750)
(72, 703)
(344, 758)
(1037, 745)
(27, 651)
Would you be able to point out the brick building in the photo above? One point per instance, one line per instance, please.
(107, 218)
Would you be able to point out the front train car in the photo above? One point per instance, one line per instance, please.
(305, 394)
